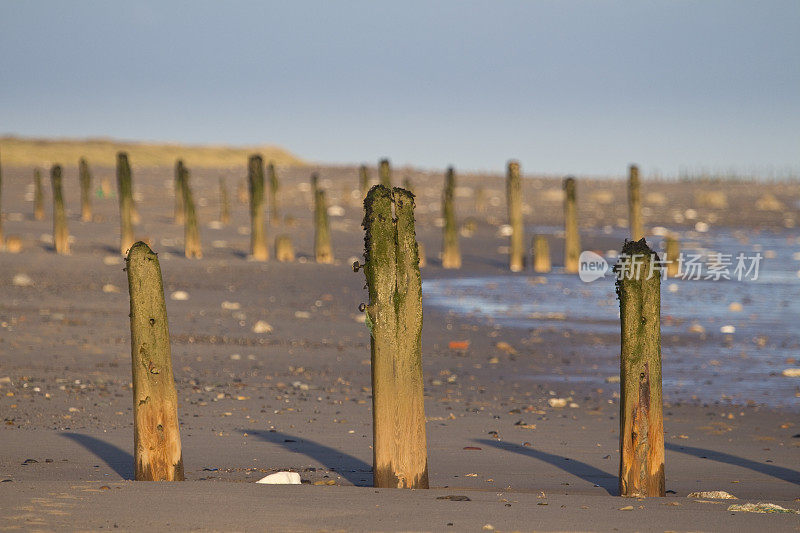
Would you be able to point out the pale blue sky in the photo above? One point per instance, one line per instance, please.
(566, 87)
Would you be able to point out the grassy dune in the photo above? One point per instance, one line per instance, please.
(20, 151)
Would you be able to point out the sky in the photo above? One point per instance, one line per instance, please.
(566, 87)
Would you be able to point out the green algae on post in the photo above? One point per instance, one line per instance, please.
(385, 173)
(191, 235)
(641, 466)
(156, 434)
(125, 194)
(451, 253)
(572, 239)
(258, 231)
(179, 210)
(38, 195)
(60, 230)
(394, 316)
(323, 251)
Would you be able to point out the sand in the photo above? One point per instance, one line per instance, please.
(298, 398)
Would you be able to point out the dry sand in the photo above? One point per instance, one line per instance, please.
(298, 397)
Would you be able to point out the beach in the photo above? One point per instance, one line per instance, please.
(272, 364)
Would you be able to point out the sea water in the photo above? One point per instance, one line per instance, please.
(723, 340)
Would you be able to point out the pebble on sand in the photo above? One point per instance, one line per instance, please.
(22, 280)
(791, 372)
(557, 402)
(262, 327)
(727, 329)
(281, 478)
(231, 306)
(108, 287)
(179, 295)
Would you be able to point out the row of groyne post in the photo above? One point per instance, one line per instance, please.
(393, 315)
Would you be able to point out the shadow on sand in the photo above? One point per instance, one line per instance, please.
(791, 476)
(587, 472)
(351, 468)
(117, 459)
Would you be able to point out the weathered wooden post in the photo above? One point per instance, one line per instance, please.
(125, 194)
(480, 200)
(363, 180)
(258, 231)
(451, 254)
(224, 203)
(572, 239)
(38, 195)
(86, 190)
(394, 317)
(541, 254)
(60, 230)
(385, 173)
(634, 204)
(274, 217)
(641, 467)
(673, 253)
(156, 434)
(284, 249)
(514, 202)
(191, 235)
(323, 252)
(179, 212)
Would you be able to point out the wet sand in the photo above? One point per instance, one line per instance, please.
(298, 397)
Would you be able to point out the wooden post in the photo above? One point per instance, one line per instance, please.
(38, 195)
(451, 254)
(60, 230)
(191, 235)
(274, 217)
(224, 203)
(480, 200)
(363, 180)
(323, 252)
(572, 239)
(125, 194)
(385, 173)
(394, 316)
(179, 212)
(541, 254)
(514, 201)
(634, 205)
(284, 249)
(86, 190)
(641, 467)
(258, 232)
(156, 434)
(673, 252)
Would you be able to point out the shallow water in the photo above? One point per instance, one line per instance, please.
(706, 362)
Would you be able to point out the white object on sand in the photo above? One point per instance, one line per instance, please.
(22, 280)
(557, 402)
(281, 478)
(727, 329)
(262, 327)
(180, 295)
(713, 495)
(791, 372)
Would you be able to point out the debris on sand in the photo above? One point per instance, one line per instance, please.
(557, 402)
(791, 373)
(281, 478)
(180, 296)
(713, 495)
(22, 280)
(262, 327)
(761, 508)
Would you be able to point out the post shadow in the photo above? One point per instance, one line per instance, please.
(579, 469)
(351, 468)
(785, 474)
(116, 458)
